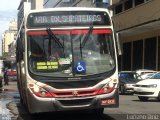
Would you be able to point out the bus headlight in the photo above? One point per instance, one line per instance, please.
(39, 91)
(108, 88)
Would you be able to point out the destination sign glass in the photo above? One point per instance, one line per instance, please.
(67, 18)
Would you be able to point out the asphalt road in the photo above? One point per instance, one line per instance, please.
(130, 109)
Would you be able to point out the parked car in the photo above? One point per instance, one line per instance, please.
(149, 88)
(11, 74)
(147, 75)
(144, 71)
(127, 80)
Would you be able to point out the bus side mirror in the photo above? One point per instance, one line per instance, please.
(119, 51)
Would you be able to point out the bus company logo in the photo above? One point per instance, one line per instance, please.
(75, 93)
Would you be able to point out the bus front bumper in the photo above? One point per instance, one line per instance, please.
(38, 105)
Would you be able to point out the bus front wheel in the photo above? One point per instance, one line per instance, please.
(98, 111)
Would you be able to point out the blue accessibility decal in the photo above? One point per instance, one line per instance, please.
(80, 67)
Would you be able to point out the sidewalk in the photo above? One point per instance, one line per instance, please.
(11, 87)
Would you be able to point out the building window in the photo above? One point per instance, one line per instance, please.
(150, 53)
(101, 3)
(138, 2)
(118, 9)
(128, 4)
(137, 54)
(126, 65)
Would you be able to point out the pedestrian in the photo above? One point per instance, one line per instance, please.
(5, 77)
(1, 77)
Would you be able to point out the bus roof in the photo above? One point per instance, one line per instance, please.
(69, 9)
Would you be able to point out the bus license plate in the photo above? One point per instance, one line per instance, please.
(108, 102)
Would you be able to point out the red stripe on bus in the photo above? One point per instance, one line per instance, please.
(97, 31)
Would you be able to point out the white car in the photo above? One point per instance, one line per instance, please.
(144, 71)
(147, 75)
(149, 88)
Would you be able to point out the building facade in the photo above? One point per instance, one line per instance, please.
(138, 23)
(9, 39)
(35, 4)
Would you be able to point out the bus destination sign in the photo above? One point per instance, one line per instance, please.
(67, 19)
(75, 18)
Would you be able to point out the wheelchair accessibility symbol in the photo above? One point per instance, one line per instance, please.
(80, 67)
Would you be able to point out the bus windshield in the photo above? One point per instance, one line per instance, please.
(67, 53)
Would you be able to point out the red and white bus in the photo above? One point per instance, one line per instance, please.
(67, 60)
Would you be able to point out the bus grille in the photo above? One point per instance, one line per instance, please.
(73, 84)
(78, 102)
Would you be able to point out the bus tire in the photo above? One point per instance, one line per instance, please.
(98, 111)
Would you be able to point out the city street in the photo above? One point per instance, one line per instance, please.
(72, 54)
(130, 108)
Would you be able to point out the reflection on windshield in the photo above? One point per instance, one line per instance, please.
(47, 57)
(128, 76)
(156, 76)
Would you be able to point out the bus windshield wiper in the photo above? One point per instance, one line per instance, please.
(49, 31)
(87, 36)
